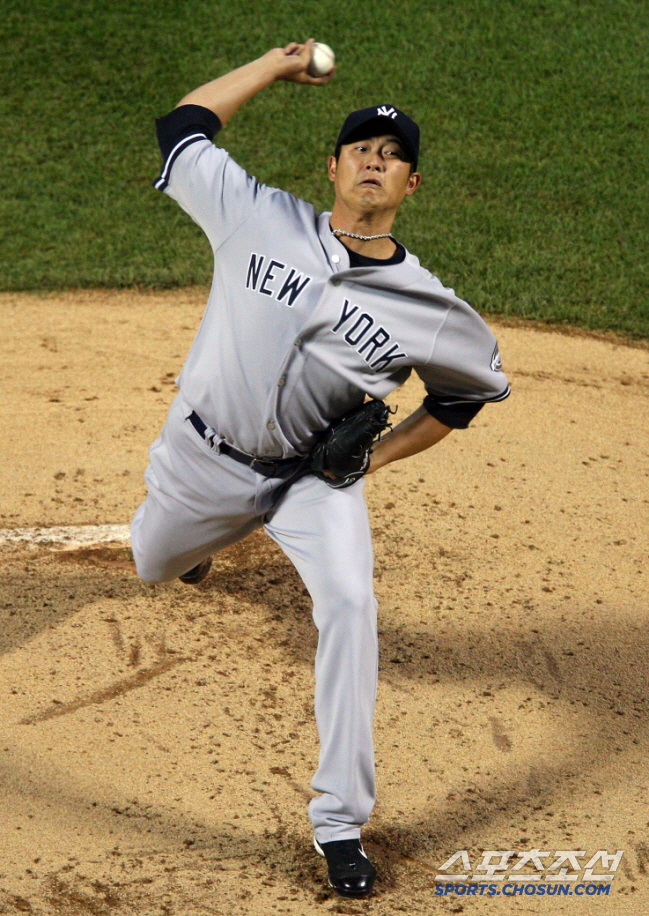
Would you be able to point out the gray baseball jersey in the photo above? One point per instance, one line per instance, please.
(293, 336)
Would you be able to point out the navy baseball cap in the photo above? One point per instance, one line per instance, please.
(378, 120)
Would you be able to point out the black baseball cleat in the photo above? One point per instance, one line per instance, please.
(351, 874)
(197, 573)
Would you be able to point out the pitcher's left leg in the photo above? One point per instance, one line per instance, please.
(326, 534)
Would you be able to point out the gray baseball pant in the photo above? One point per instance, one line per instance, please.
(199, 502)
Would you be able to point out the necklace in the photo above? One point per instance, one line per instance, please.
(363, 238)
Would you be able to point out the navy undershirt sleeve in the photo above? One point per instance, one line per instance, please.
(457, 416)
(182, 122)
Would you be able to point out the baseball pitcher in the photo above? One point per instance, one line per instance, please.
(312, 320)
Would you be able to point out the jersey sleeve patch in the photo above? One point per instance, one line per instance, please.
(178, 130)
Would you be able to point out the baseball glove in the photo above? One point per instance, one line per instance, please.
(346, 445)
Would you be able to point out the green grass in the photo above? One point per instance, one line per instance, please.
(534, 115)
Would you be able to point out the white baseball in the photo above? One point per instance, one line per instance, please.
(322, 60)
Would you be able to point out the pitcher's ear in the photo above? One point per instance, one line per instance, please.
(413, 183)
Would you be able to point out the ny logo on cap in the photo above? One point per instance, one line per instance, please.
(386, 112)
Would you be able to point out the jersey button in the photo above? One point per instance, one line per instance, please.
(298, 342)
(282, 382)
(270, 425)
(335, 259)
(336, 282)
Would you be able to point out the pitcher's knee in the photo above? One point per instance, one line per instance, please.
(150, 566)
(347, 602)
(151, 572)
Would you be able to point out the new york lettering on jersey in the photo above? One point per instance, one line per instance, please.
(361, 331)
(274, 278)
(367, 336)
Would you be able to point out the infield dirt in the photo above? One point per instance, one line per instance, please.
(157, 743)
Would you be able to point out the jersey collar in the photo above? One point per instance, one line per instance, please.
(390, 276)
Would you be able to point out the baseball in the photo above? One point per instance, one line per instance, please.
(322, 60)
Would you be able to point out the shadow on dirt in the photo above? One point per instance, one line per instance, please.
(598, 672)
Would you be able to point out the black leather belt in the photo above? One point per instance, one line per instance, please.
(282, 467)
